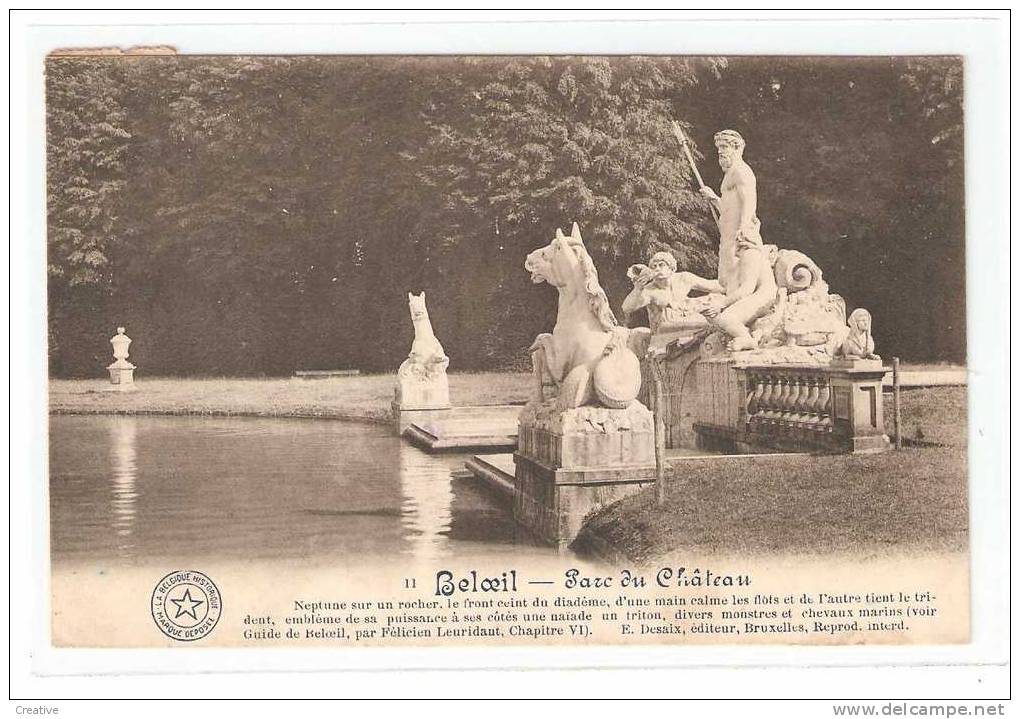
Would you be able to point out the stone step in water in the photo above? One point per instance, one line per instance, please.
(482, 415)
(479, 429)
(495, 471)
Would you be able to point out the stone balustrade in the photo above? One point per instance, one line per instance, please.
(789, 398)
(836, 407)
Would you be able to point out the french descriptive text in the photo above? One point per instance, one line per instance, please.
(660, 605)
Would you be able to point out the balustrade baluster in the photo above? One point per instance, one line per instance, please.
(784, 395)
(811, 415)
(825, 405)
(759, 389)
(765, 402)
(793, 400)
(768, 400)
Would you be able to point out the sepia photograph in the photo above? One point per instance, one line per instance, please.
(728, 353)
(590, 350)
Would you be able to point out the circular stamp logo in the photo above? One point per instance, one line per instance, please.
(186, 605)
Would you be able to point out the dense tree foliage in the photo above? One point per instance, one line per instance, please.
(256, 215)
(538, 142)
(87, 142)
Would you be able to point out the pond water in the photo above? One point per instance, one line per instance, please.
(125, 490)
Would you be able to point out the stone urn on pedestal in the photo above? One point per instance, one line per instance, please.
(122, 372)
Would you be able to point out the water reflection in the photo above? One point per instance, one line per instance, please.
(123, 480)
(426, 485)
(179, 489)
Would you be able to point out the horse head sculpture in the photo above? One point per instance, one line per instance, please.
(585, 360)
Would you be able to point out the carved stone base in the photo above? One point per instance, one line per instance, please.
(586, 437)
(122, 378)
(415, 393)
(571, 463)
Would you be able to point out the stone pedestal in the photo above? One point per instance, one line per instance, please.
(422, 394)
(570, 463)
(122, 376)
(857, 419)
(414, 392)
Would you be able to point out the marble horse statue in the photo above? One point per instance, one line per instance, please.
(586, 360)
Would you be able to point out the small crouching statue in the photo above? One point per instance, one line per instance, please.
(858, 343)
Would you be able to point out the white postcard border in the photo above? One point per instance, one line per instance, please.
(981, 41)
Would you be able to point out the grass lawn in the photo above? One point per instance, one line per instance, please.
(361, 397)
(930, 415)
(804, 505)
(811, 505)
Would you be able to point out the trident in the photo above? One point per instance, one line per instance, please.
(678, 133)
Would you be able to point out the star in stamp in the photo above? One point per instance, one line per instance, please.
(186, 605)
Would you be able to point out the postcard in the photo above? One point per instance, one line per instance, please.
(527, 350)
